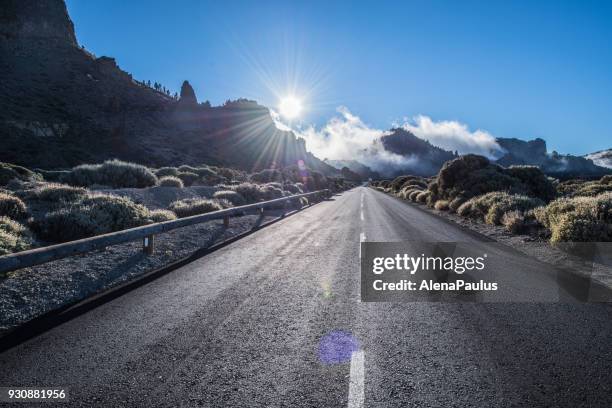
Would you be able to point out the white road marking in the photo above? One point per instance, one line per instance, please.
(362, 238)
(356, 395)
(361, 207)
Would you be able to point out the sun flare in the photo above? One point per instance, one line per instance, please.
(290, 107)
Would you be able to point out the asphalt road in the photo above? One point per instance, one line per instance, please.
(275, 319)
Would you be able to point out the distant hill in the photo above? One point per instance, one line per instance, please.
(601, 158)
(357, 167)
(61, 106)
(534, 152)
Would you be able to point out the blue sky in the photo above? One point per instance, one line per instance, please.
(514, 69)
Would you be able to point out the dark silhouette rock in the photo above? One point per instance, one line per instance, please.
(188, 96)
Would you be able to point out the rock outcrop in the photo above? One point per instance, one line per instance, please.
(61, 106)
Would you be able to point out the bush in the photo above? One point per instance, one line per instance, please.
(188, 178)
(578, 219)
(194, 206)
(252, 193)
(167, 171)
(236, 199)
(454, 205)
(95, 215)
(271, 191)
(113, 173)
(492, 206)
(162, 215)
(171, 181)
(56, 193)
(12, 207)
(414, 195)
(574, 188)
(514, 221)
(472, 175)
(422, 196)
(10, 171)
(10, 243)
(441, 205)
(203, 171)
(606, 179)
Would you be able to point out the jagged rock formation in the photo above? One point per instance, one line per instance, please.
(61, 106)
(188, 96)
(534, 152)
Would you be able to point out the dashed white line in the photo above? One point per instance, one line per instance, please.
(356, 395)
(362, 238)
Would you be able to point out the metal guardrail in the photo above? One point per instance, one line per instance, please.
(146, 232)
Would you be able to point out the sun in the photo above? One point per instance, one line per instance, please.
(290, 107)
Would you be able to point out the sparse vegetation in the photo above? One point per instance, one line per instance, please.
(171, 181)
(189, 207)
(167, 171)
(188, 178)
(441, 205)
(12, 207)
(162, 215)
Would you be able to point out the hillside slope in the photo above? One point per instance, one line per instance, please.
(61, 106)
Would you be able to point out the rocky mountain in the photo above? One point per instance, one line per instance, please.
(534, 152)
(355, 166)
(601, 158)
(60, 106)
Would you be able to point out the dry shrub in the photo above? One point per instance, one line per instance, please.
(441, 205)
(454, 205)
(514, 221)
(188, 178)
(10, 172)
(12, 207)
(97, 214)
(14, 237)
(413, 195)
(422, 197)
(492, 206)
(194, 206)
(162, 215)
(236, 199)
(113, 173)
(167, 171)
(171, 181)
(55, 193)
(578, 219)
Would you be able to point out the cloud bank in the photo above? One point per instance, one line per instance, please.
(346, 137)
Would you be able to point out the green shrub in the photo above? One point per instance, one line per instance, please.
(10, 171)
(236, 199)
(171, 181)
(12, 207)
(536, 184)
(607, 179)
(56, 193)
(52, 175)
(95, 215)
(271, 191)
(441, 205)
(194, 206)
(188, 178)
(113, 173)
(162, 215)
(578, 219)
(167, 171)
(574, 188)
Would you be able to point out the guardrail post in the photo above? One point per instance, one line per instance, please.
(226, 221)
(148, 244)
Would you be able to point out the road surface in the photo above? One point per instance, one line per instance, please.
(275, 319)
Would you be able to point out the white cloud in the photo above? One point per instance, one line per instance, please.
(453, 135)
(347, 137)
